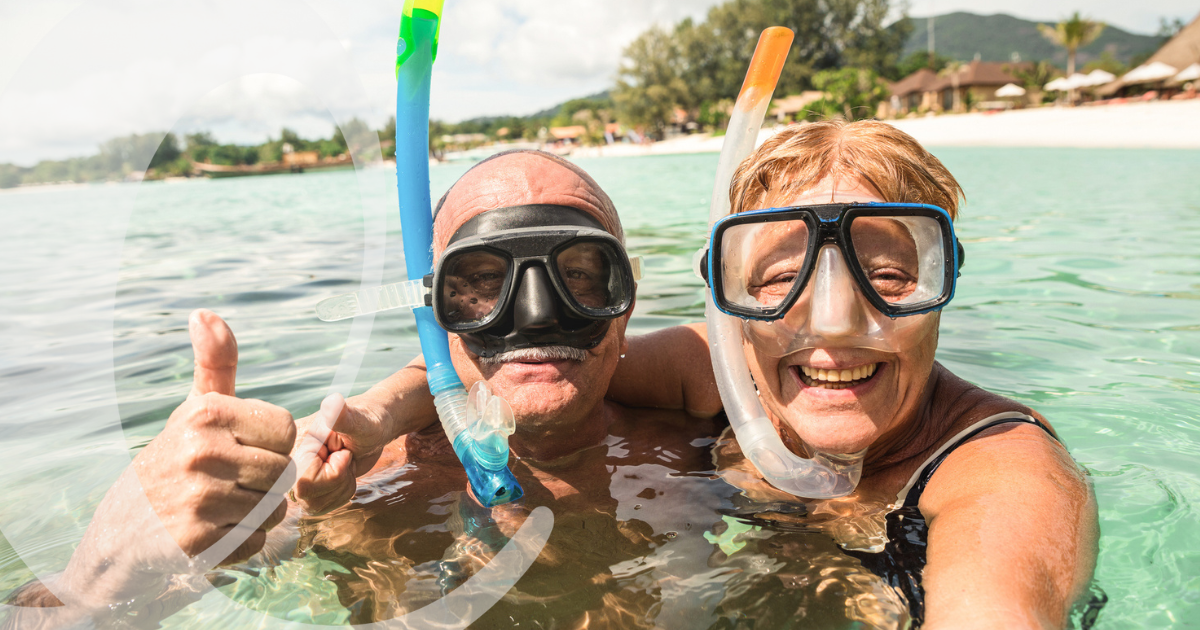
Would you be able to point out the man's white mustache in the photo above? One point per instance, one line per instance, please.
(543, 353)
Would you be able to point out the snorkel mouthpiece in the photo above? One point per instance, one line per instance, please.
(478, 425)
(483, 453)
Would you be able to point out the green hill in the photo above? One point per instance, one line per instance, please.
(996, 37)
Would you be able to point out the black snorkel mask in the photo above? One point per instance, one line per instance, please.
(531, 276)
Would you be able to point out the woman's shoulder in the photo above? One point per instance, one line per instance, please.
(996, 446)
(965, 404)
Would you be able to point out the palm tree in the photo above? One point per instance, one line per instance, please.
(1072, 33)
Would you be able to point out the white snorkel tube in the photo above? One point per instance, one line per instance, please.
(825, 476)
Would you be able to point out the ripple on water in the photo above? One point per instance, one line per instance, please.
(1064, 304)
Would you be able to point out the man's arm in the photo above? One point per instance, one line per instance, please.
(668, 369)
(1012, 533)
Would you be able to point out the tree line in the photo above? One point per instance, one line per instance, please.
(172, 155)
(699, 66)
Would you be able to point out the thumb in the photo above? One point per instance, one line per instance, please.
(216, 354)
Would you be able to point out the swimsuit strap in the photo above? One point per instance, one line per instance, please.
(911, 493)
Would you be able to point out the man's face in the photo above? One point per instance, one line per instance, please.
(545, 394)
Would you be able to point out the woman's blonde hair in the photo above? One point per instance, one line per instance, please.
(799, 157)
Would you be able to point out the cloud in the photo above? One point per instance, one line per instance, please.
(75, 73)
(115, 68)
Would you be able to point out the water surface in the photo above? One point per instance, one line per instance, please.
(1079, 297)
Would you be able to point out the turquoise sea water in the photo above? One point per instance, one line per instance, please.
(1079, 297)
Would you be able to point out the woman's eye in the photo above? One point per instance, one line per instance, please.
(783, 279)
(893, 284)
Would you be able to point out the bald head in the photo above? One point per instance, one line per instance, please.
(521, 177)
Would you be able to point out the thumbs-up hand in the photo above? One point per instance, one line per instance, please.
(218, 456)
(214, 474)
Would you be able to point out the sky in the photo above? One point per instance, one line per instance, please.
(74, 73)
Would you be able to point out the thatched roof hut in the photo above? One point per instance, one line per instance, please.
(1180, 52)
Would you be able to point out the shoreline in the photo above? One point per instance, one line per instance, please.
(1154, 125)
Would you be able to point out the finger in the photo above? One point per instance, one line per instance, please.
(249, 467)
(276, 517)
(308, 446)
(216, 354)
(328, 485)
(251, 422)
(224, 504)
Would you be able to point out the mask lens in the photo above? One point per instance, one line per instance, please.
(903, 258)
(589, 272)
(472, 285)
(761, 262)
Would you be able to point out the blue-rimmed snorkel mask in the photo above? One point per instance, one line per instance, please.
(848, 275)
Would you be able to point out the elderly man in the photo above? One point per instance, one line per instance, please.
(549, 346)
(551, 362)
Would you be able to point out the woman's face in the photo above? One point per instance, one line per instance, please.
(875, 394)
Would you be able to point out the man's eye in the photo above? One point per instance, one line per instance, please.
(486, 276)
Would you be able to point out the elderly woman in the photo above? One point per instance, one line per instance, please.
(990, 523)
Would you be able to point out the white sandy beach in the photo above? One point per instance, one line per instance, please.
(1157, 125)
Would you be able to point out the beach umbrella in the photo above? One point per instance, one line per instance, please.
(1190, 73)
(1100, 77)
(1149, 73)
(1075, 81)
(1057, 85)
(1010, 90)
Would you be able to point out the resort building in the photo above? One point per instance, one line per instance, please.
(1173, 71)
(970, 86)
(787, 108)
(913, 94)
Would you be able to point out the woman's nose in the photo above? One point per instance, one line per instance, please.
(535, 304)
(836, 308)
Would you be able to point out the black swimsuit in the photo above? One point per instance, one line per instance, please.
(902, 559)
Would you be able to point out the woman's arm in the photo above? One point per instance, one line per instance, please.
(1012, 533)
(668, 369)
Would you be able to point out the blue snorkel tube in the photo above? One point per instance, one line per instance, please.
(478, 425)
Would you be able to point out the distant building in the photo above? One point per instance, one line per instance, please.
(913, 94)
(786, 108)
(975, 83)
(301, 158)
(567, 134)
(1179, 53)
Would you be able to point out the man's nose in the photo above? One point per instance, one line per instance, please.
(836, 311)
(535, 306)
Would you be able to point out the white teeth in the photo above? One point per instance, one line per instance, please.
(836, 379)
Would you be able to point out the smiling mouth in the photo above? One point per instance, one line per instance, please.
(835, 379)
